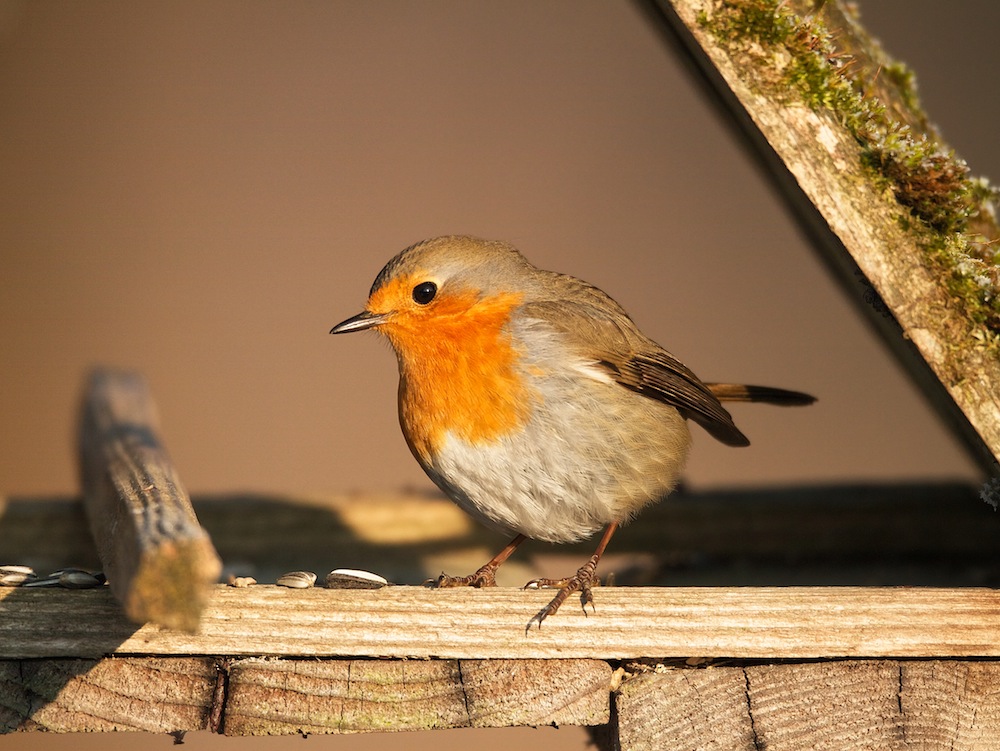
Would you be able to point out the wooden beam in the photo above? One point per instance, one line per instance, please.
(151, 694)
(630, 622)
(874, 534)
(159, 562)
(803, 707)
(284, 697)
(850, 212)
(789, 706)
(348, 696)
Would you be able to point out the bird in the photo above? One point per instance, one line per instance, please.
(534, 402)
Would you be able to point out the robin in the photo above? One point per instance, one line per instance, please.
(534, 402)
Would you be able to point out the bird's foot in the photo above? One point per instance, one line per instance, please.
(484, 577)
(582, 581)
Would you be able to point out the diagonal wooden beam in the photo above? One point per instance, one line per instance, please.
(819, 103)
(159, 562)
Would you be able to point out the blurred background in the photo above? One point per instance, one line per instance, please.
(200, 190)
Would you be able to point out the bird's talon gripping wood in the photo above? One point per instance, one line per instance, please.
(532, 399)
(484, 577)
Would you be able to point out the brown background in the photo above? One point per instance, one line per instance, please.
(200, 190)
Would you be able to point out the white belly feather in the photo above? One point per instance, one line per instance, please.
(591, 453)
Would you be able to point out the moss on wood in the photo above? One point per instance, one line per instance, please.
(799, 57)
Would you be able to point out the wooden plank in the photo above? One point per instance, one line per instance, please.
(678, 708)
(889, 533)
(292, 696)
(825, 706)
(151, 694)
(630, 622)
(159, 562)
(536, 692)
(852, 215)
(280, 697)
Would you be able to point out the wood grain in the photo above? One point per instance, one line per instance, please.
(159, 561)
(536, 692)
(151, 694)
(680, 708)
(630, 622)
(278, 697)
(822, 706)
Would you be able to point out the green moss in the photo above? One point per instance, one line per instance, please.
(970, 279)
(934, 185)
(928, 180)
(755, 19)
(905, 81)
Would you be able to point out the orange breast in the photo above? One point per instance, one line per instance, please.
(457, 372)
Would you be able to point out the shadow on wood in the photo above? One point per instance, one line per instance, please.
(878, 535)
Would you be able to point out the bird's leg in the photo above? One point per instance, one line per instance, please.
(485, 576)
(582, 581)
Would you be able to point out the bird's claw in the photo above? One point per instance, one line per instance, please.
(545, 583)
(484, 577)
(536, 619)
(582, 581)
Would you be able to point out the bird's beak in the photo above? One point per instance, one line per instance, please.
(364, 320)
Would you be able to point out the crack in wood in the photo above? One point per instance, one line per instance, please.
(465, 692)
(220, 696)
(758, 744)
(899, 702)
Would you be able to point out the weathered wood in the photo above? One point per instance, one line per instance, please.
(871, 534)
(159, 562)
(817, 164)
(825, 706)
(835, 705)
(630, 622)
(277, 697)
(152, 694)
(682, 708)
(283, 697)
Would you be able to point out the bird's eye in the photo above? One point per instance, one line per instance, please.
(424, 292)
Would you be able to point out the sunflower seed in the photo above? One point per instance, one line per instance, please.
(351, 578)
(62, 571)
(241, 581)
(47, 581)
(10, 568)
(15, 576)
(72, 578)
(297, 579)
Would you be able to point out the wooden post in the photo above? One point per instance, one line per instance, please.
(159, 562)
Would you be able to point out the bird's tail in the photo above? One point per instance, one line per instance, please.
(738, 392)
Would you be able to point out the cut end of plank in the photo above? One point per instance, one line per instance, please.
(173, 584)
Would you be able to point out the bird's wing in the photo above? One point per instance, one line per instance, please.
(603, 334)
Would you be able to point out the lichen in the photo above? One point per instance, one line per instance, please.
(949, 210)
